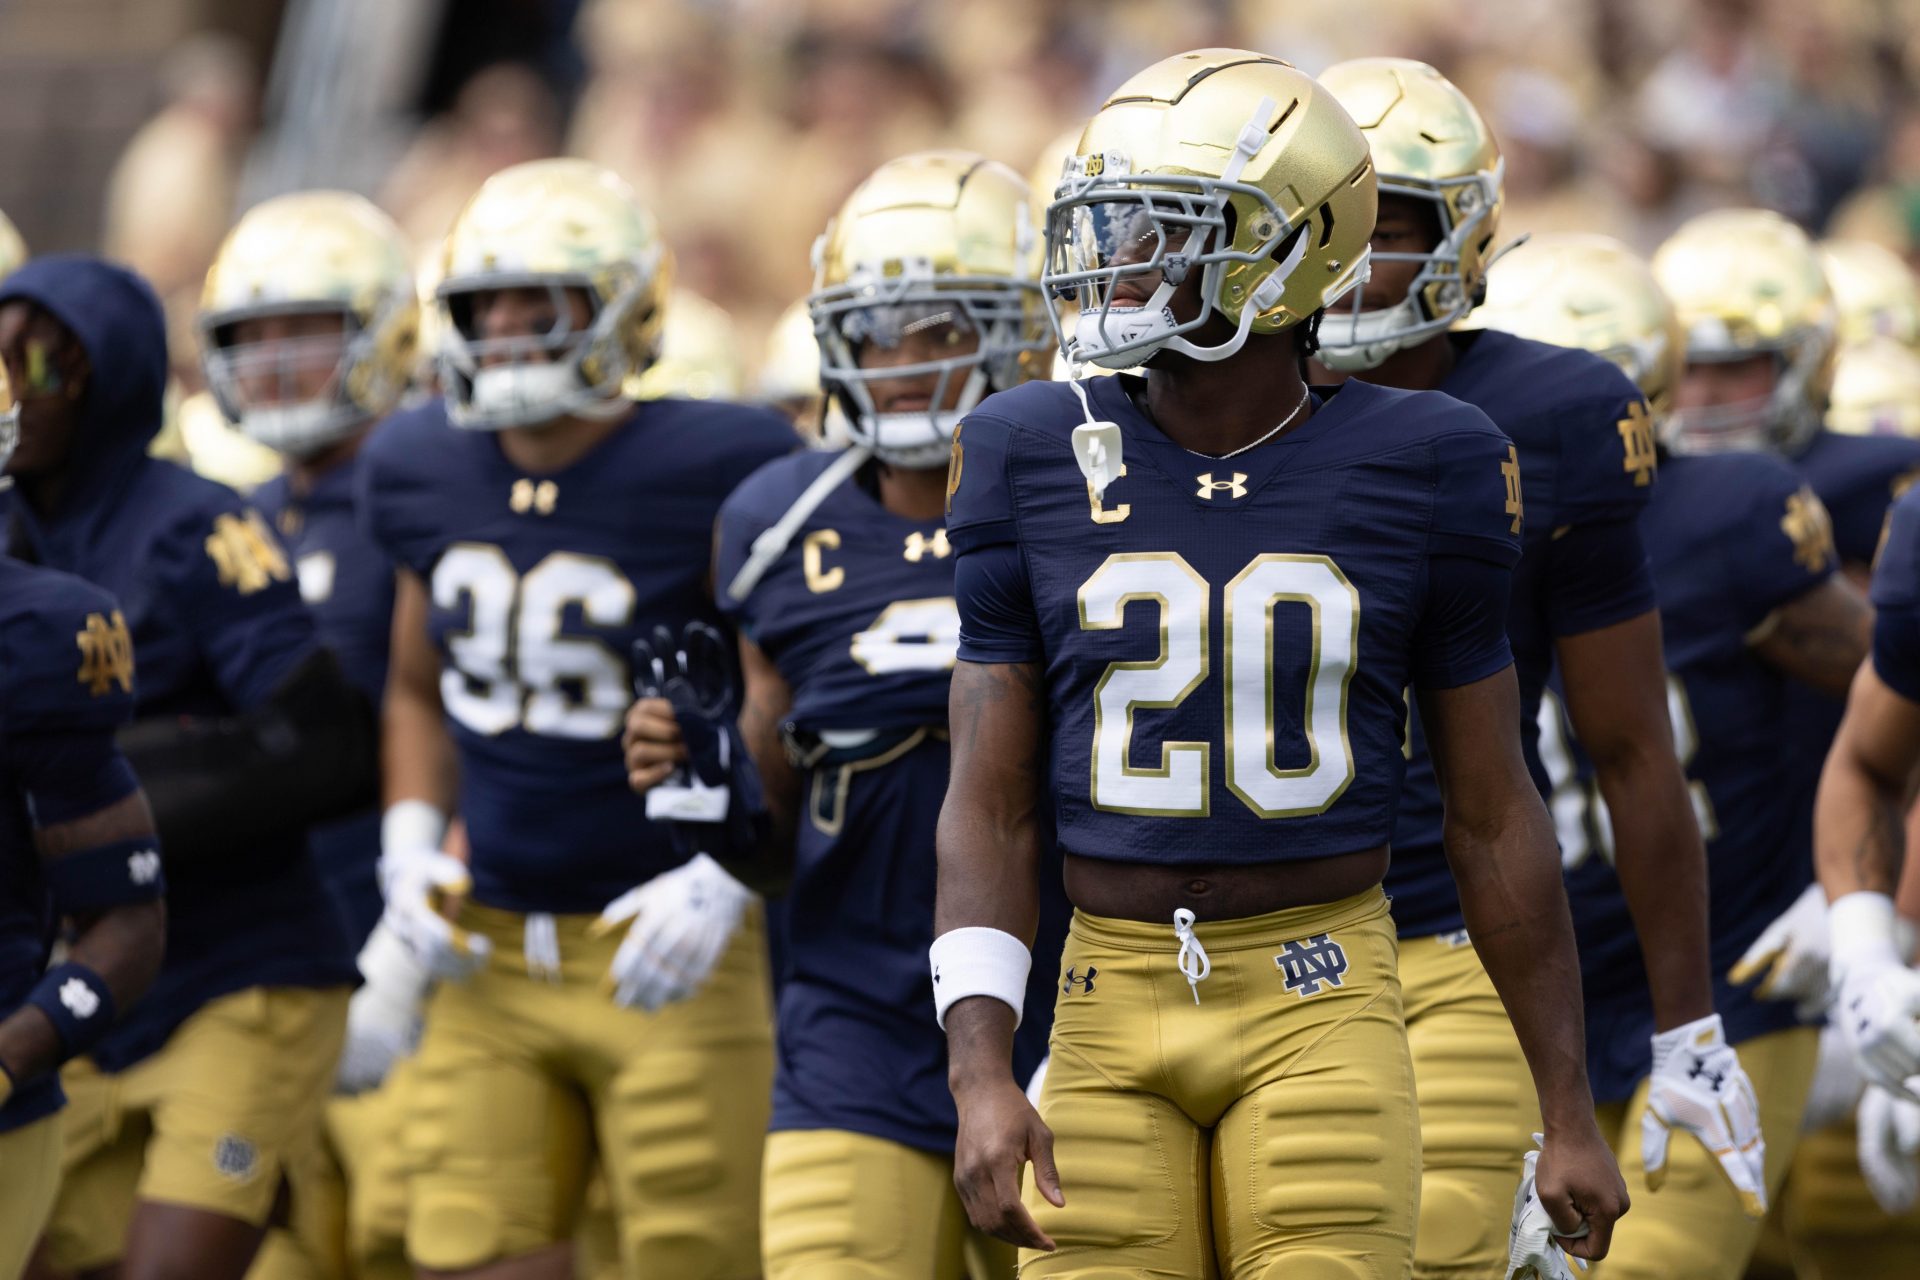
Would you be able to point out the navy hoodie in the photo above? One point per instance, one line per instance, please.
(217, 625)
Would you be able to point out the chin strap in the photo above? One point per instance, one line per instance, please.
(774, 540)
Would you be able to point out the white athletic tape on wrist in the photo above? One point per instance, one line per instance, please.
(1862, 927)
(979, 962)
(411, 824)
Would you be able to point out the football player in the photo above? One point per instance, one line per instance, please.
(1581, 598)
(848, 632)
(308, 323)
(1743, 564)
(542, 523)
(76, 843)
(184, 1118)
(1189, 605)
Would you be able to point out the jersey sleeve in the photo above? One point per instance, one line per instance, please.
(390, 506)
(1896, 600)
(980, 509)
(738, 524)
(232, 587)
(1463, 623)
(1781, 544)
(993, 592)
(1608, 462)
(1478, 506)
(1598, 575)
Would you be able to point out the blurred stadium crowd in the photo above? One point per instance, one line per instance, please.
(744, 123)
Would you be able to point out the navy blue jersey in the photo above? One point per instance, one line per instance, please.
(347, 583)
(1857, 478)
(1230, 639)
(859, 617)
(66, 672)
(1733, 537)
(1587, 458)
(1896, 600)
(217, 621)
(539, 587)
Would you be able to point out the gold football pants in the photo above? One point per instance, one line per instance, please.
(1265, 1131)
(522, 1082)
(1478, 1110)
(29, 1179)
(1835, 1229)
(1693, 1226)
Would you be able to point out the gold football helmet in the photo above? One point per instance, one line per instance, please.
(553, 225)
(699, 354)
(1594, 293)
(790, 374)
(1221, 161)
(1428, 143)
(13, 248)
(312, 253)
(936, 239)
(1747, 282)
(1874, 291)
(1876, 390)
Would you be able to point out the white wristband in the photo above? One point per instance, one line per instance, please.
(411, 824)
(979, 962)
(1861, 925)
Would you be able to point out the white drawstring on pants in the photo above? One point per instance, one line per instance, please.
(541, 945)
(1192, 960)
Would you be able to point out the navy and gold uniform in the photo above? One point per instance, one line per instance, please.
(1225, 645)
(66, 683)
(859, 617)
(199, 1093)
(1732, 538)
(1585, 446)
(538, 587)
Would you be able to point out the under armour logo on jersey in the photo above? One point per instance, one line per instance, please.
(1236, 486)
(538, 498)
(1510, 471)
(144, 867)
(82, 1001)
(1636, 434)
(920, 546)
(1312, 965)
(1074, 979)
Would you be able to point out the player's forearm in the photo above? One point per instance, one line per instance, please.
(1516, 912)
(123, 947)
(1856, 824)
(1662, 866)
(761, 715)
(417, 760)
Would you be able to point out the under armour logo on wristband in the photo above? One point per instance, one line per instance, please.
(1311, 966)
(79, 998)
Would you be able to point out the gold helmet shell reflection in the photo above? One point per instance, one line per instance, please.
(13, 247)
(1593, 293)
(789, 378)
(699, 354)
(305, 253)
(1874, 291)
(1876, 390)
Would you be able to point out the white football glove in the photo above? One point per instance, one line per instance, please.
(383, 1017)
(1890, 1148)
(682, 921)
(1836, 1084)
(1699, 1087)
(1790, 956)
(417, 880)
(1532, 1251)
(1876, 996)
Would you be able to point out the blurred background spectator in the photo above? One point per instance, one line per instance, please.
(141, 126)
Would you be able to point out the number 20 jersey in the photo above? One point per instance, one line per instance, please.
(1228, 639)
(539, 586)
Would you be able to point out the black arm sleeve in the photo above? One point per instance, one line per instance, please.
(222, 788)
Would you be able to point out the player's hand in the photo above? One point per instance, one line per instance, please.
(1836, 1084)
(999, 1133)
(423, 889)
(1579, 1185)
(678, 926)
(1790, 956)
(1532, 1251)
(652, 743)
(1878, 1011)
(1889, 1138)
(383, 1017)
(1699, 1087)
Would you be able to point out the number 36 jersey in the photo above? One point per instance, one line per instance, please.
(1229, 639)
(539, 585)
